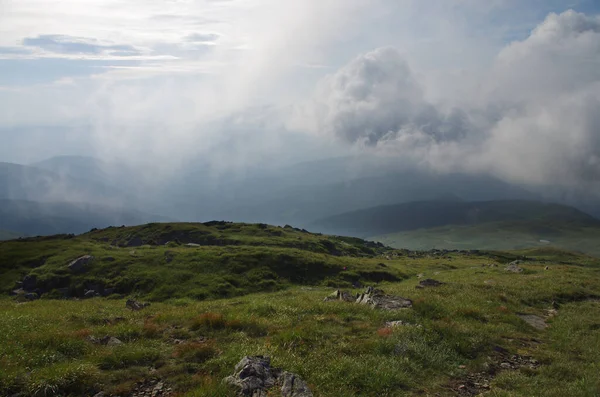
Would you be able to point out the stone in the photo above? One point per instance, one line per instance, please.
(108, 291)
(514, 267)
(339, 295)
(192, 245)
(135, 305)
(254, 377)
(536, 322)
(90, 294)
(430, 283)
(80, 264)
(377, 299)
(294, 386)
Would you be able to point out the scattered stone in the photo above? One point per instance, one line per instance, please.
(254, 377)
(399, 323)
(533, 320)
(514, 267)
(151, 388)
(339, 295)
(377, 299)
(80, 265)
(135, 305)
(430, 283)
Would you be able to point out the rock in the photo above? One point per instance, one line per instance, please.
(108, 291)
(547, 268)
(101, 394)
(31, 296)
(135, 305)
(112, 341)
(377, 299)
(505, 366)
(17, 292)
(393, 324)
(514, 267)
(192, 245)
(533, 320)
(294, 386)
(430, 283)
(339, 295)
(29, 283)
(80, 265)
(90, 294)
(420, 275)
(254, 377)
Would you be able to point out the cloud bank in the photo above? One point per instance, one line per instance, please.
(532, 117)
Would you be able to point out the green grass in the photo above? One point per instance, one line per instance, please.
(499, 236)
(340, 349)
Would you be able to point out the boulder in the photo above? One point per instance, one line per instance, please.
(339, 295)
(80, 264)
(377, 299)
(514, 267)
(90, 294)
(254, 377)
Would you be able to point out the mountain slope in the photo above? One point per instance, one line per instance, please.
(37, 218)
(427, 214)
(8, 235)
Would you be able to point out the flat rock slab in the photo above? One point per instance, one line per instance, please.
(254, 377)
(533, 320)
(377, 299)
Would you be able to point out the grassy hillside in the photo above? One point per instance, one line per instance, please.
(465, 337)
(499, 236)
(166, 261)
(428, 214)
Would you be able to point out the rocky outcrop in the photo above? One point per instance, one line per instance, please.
(514, 267)
(254, 377)
(377, 299)
(339, 295)
(80, 265)
(135, 305)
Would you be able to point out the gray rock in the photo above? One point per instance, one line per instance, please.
(254, 377)
(17, 292)
(112, 341)
(377, 299)
(135, 305)
(80, 265)
(514, 267)
(108, 291)
(90, 294)
(536, 322)
(294, 386)
(192, 245)
(339, 295)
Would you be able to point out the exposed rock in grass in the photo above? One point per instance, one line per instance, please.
(339, 295)
(254, 377)
(135, 305)
(29, 283)
(514, 267)
(430, 283)
(533, 320)
(80, 265)
(377, 299)
(31, 296)
(151, 388)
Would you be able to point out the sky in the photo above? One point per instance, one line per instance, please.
(509, 88)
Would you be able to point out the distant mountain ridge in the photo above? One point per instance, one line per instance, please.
(429, 214)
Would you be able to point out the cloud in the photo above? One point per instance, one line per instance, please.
(202, 37)
(63, 44)
(532, 117)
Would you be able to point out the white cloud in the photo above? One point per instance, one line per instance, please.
(533, 117)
